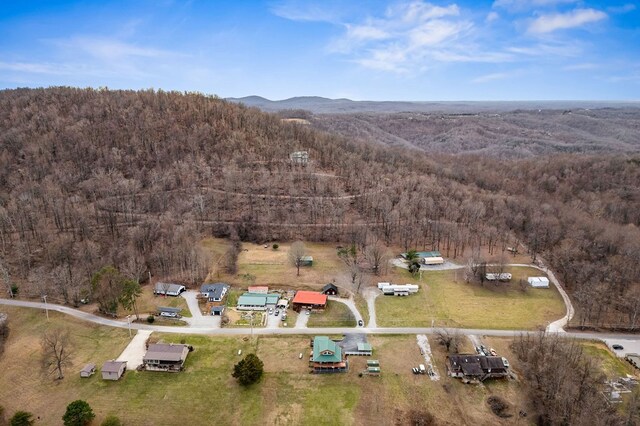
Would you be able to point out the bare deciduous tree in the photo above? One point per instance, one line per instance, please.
(450, 340)
(296, 254)
(378, 256)
(56, 351)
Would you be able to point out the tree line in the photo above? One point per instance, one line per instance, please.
(133, 179)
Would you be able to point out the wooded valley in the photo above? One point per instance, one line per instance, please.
(133, 179)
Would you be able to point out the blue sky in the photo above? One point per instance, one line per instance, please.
(375, 50)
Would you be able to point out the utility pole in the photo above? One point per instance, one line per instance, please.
(129, 324)
(46, 307)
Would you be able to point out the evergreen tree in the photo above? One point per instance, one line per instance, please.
(248, 370)
(78, 413)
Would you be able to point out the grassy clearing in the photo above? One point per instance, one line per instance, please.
(287, 395)
(148, 303)
(611, 365)
(271, 267)
(336, 314)
(445, 298)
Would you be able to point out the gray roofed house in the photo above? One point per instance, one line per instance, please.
(113, 370)
(169, 289)
(169, 310)
(214, 292)
(88, 370)
(165, 357)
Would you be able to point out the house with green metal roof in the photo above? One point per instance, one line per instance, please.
(257, 301)
(327, 356)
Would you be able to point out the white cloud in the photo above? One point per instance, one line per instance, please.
(580, 67)
(491, 77)
(492, 16)
(629, 7)
(419, 11)
(366, 32)
(109, 49)
(305, 11)
(559, 21)
(518, 5)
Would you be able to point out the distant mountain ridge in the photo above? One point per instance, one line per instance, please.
(320, 105)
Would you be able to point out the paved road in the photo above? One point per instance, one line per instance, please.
(311, 331)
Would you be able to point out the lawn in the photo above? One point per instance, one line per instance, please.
(287, 394)
(336, 314)
(148, 303)
(272, 267)
(611, 365)
(447, 300)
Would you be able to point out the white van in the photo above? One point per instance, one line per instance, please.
(169, 314)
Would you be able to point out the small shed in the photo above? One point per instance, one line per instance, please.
(306, 261)
(538, 282)
(282, 304)
(330, 289)
(113, 370)
(373, 363)
(374, 371)
(88, 370)
(217, 310)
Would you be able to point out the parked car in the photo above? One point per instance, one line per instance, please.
(270, 311)
(360, 323)
(308, 312)
(618, 347)
(493, 351)
(284, 317)
(505, 362)
(169, 314)
(277, 312)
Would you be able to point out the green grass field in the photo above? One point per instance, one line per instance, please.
(449, 301)
(336, 314)
(205, 391)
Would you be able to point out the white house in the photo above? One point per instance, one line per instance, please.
(538, 282)
(398, 289)
(505, 276)
(169, 289)
(437, 260)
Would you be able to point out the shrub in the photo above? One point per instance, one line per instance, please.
(151, 319)
(111, 420)
(78, 413)
(498, 406)
(276, 246)
(21, 418)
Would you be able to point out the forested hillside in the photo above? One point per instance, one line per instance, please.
(507, 134)
(134, 179)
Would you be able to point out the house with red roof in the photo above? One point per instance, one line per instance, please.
(311, 300)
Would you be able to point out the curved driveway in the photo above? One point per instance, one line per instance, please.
(554, 327)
